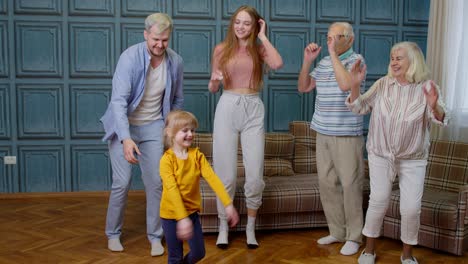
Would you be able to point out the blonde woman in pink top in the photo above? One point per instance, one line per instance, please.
(404, 104)
(238, 63)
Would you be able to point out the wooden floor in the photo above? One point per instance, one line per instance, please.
(69, 228)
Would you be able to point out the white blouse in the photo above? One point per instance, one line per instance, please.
(400, 121)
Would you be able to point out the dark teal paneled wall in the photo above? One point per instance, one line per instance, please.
(57, 58)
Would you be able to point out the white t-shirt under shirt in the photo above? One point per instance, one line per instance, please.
(150, 105)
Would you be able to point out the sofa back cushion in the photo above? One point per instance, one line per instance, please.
(304, 147)
(447, 167)
(204, 141)
(279, 152)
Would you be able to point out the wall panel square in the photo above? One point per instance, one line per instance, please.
(41, 168)
(91, 169)
(92, 7)
(88, 103)
(195, 45)
(38, 49)
(335, 10)
(49, 7)
(292, 10)
(285, 104)
(5, 117)
(418, 37)
(376, 46)
(204, 9)
(40, 111)
(290, 43)
(4, 65)
(3, 6)
(131, 34)
(5, 172)
(142, 8)
(198, 101)
(230, 6)
(92, 49)
(379, 11)
(416, 12)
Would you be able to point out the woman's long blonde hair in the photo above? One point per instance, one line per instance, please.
(418, 70)
(175, 121)
(231, 45)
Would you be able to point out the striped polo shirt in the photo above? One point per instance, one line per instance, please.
(331, 116)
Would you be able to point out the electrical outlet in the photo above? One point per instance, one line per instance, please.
(9, 160)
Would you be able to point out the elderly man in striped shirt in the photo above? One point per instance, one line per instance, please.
(340, 142)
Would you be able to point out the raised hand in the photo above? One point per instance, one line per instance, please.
(331, 43)
(261, 32)
(312, 51)
(431, 94)
(357, 73)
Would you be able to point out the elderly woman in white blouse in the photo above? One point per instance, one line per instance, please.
(403, 105)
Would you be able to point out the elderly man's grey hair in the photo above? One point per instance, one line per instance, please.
(160, 21)
(347, 28)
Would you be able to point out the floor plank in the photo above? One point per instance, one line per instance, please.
(69, 228)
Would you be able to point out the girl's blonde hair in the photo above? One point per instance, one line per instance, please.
(175, 121)
(231, 45)
(417, 70)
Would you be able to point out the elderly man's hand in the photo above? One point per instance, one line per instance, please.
(312, 51)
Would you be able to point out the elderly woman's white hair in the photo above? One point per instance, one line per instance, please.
(160, 21)
(417, 70)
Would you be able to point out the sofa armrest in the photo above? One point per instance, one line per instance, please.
(463, 204)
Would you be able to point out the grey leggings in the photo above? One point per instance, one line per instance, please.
(244, 114)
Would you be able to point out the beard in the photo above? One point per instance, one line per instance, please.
(160, 54)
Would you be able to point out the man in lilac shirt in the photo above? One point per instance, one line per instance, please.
(146, 86)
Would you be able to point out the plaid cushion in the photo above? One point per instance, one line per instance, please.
(304, 147)
(287, 203)
(204, 141)
(438, 208)
(279, 152)
(278, 167)
(279, 145)
(281, 195)
(447, 167)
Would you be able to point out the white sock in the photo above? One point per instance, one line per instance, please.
(114, 245)
(327, 240)
(223, 232)
(250, 232)
(350, 248)
(156, 248)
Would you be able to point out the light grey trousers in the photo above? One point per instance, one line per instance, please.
(149, 139)
(340, 168)
(244, 114)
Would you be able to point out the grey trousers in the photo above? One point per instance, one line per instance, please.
(149, 139)
(340, 169)
(239, 114)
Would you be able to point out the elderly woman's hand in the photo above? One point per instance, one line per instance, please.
(357, 73)
(431, 94)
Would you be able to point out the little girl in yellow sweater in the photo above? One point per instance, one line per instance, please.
(181, 168)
